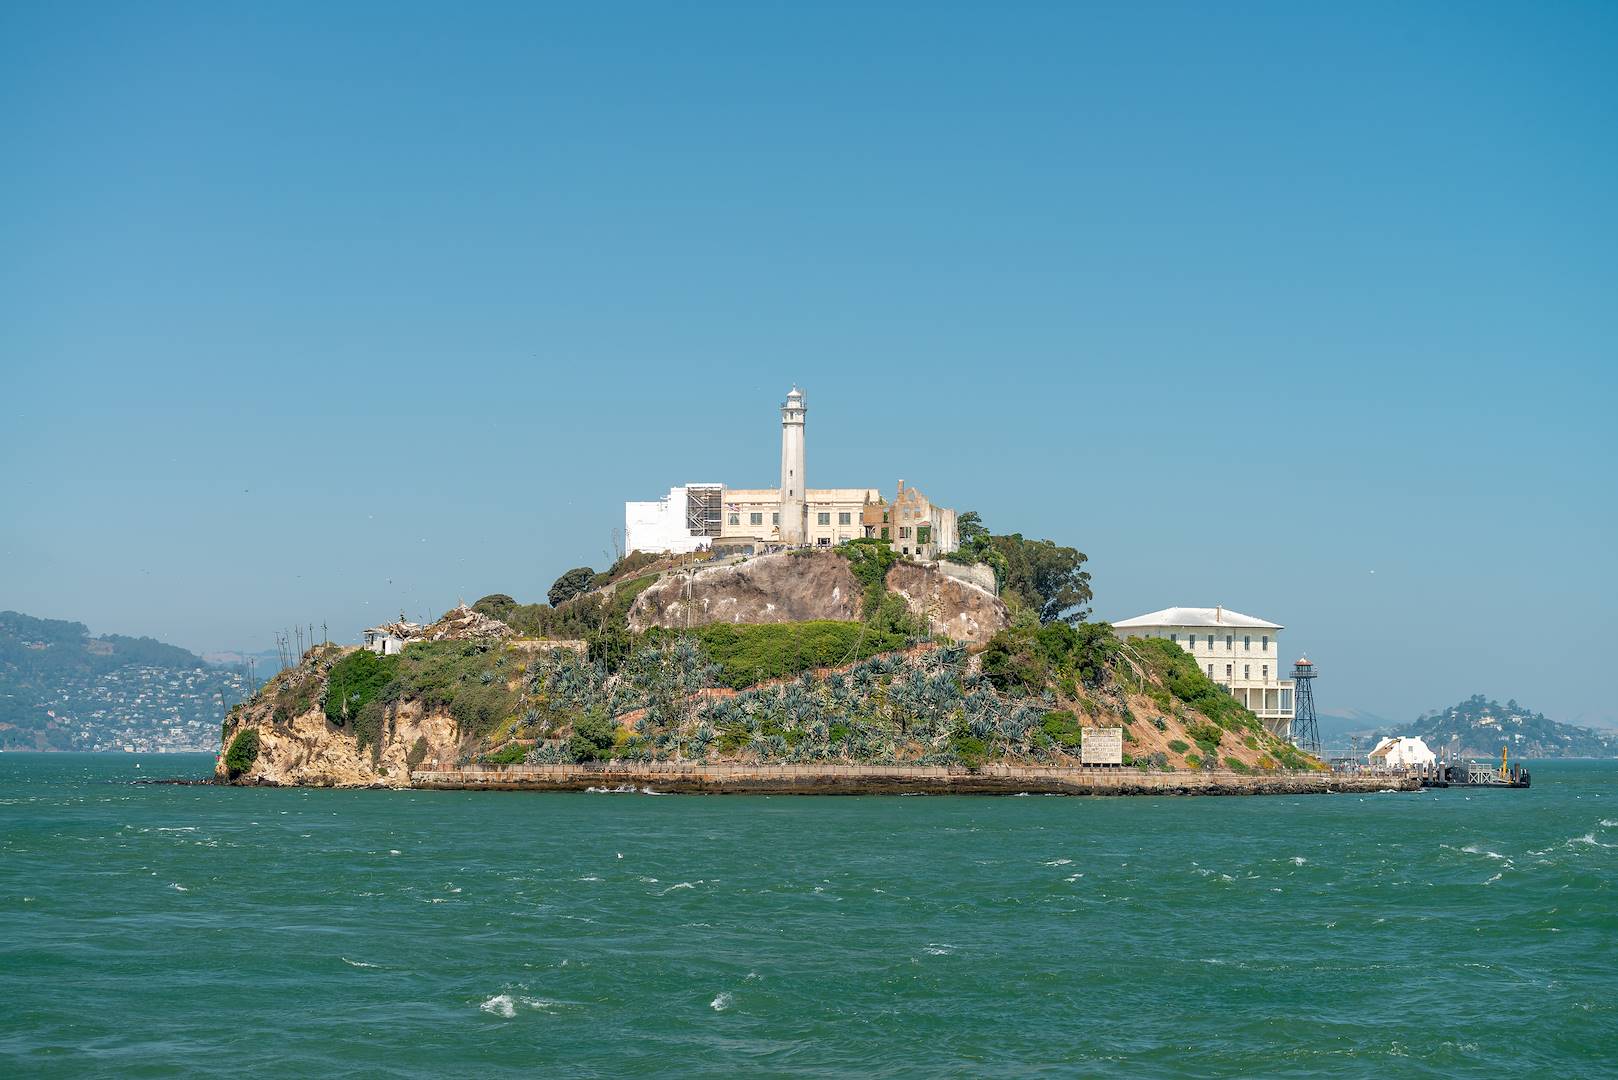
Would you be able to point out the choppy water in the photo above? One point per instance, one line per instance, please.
(152, 930)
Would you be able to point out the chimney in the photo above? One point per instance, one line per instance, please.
(1219, 613)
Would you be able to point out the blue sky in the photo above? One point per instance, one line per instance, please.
(309, 315)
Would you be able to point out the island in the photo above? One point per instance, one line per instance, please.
(839, 669)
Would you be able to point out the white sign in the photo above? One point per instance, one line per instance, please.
(1101, 745)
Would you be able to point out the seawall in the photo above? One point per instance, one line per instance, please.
(892, 780)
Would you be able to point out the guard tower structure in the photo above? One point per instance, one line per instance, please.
(1305, 728)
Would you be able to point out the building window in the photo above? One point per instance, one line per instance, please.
(1265, 671)
(822, 519)
(904, 533)
(1227, 671)
(1174, 637)
(907, 551)
(775, 519)
(923, 533)
(735, 519)
(825, 541)
(755, 519)
(1266, 643)
(1247, 643)
(1210, 643)
(1247, 671)
(1210, 671)
(884, 532)
(1229, 642)
(845, 518)
(1286, 701)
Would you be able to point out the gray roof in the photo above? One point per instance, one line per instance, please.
(1197, 616)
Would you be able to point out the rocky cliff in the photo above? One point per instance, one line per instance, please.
(810, 585)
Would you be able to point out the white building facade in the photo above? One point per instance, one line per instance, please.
(695, 516)
(1239, 652)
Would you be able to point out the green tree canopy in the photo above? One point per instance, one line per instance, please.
(495, 605)
(1045, 577)
(571, 584)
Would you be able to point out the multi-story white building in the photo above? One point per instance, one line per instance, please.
(1239, 652)
(695, 516)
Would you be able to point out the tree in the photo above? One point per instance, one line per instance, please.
(1046, 578)
(495, 606)
(972, 532)
(571, 584)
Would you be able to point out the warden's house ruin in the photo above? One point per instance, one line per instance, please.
(694, 516)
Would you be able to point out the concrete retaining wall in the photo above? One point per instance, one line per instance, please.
(892, 779)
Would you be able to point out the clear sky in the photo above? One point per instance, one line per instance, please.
(316, 312)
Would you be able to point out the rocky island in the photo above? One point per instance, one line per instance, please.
(833, 670)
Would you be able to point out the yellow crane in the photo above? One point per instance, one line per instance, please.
(1505, 774)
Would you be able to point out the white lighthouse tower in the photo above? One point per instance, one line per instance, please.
(794, 510)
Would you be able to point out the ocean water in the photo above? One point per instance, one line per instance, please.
(154, 930)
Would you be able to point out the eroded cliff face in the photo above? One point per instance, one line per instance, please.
(299, 747)
(802, 586)
(953, 607)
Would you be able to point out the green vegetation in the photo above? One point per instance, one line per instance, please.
(1179, 746)
(1062, 728)
(750, 654)
(593, 738)
(870, 560)
(354, 682)
(1035, 575)
(242, 753)
(1028, 658)
(576, 581)
(510, 754)
(1177, 671)
(418, 753)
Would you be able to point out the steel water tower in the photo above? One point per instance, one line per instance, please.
(1305, 729)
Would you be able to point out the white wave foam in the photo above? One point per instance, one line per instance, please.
(721, 1002)
(394, 851)
(1297, 860)
(355, 963)
(681, 885)
(621, 789)
(500, 1005)
(177, 887)
(939, 949)
(649, 791)
(1608, 823)
(1473, 849)
(1060, 862)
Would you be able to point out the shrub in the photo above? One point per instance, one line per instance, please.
(748, 655)
(1062, 727)
(1179, 746)
(418, 753)
(510, 754)
(242, 753)
(1237, 765)
(495, 606)
(870, 560)
(1205, 735)
(592, 738)
(576, 581)
(479, 709)
(969, 750)
(355, 681)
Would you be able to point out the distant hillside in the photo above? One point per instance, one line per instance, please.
(1478, 727)
(62, 689)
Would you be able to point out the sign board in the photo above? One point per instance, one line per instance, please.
(1101, 746)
